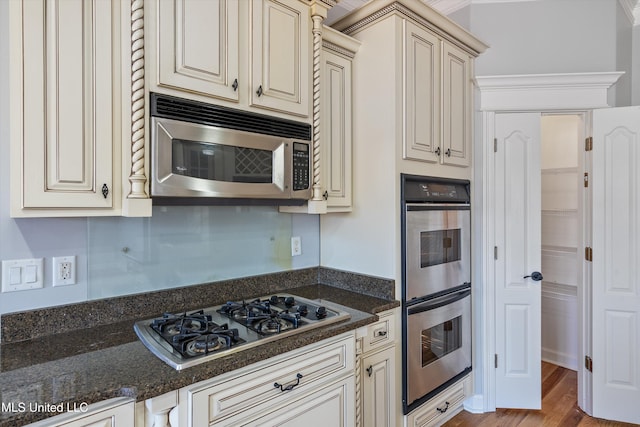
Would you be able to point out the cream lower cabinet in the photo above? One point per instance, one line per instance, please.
(378, 379)
(117, 412)
(313, 385)
(442, 407)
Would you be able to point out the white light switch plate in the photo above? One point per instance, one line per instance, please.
(22, 274)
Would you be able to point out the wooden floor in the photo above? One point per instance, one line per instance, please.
(559, 407)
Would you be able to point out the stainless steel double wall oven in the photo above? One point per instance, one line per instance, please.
(436, 286)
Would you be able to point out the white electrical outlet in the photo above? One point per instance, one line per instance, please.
(296, 246)
(64, 270)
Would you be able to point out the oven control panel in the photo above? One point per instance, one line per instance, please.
(435, 190)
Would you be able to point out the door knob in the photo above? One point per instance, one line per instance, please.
(536, 276)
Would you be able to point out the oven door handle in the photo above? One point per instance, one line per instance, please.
(438, 302)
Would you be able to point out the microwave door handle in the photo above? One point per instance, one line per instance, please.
(280, 154)
(438, 302)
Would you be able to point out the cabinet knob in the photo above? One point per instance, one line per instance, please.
(325, 195)
(105, 190)
(438, 151)
(234, 85)
(448, 152)
(259, 91)
(370, 370)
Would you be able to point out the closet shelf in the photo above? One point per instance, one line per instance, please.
(559, 211)
(562, 249)
(558, 171)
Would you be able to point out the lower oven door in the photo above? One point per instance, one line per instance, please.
(438, 344)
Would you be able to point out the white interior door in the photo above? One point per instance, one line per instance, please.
(518, 253)
(616, 264)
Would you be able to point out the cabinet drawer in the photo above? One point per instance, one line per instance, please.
(295, 374)
(380, 333)
(114, 412)
(440, 408)
(329, 405)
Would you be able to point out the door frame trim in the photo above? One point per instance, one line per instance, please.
(544, 93)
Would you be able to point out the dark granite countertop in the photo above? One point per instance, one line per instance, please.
(105, 361)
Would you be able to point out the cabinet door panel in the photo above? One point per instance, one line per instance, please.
(281, 56)
(102, 414)
(422, 94)
(198, 46)
(68, 85)
(456, 113)
(336, 130)
(378, 388)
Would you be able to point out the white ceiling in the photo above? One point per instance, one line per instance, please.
(631, 7)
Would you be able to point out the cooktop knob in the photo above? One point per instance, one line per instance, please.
(321, 312)
(303, 310)
(289, 301)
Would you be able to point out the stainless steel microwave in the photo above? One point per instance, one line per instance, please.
(193, 162)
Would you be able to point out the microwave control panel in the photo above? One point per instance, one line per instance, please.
(301, 157)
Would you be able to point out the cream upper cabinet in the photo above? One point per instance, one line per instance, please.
(62, 116)
(413, 92)
(335, 118)
(456, 106)
(77, 109)
(422, 94)
(437, 99)
(198, 47)
(253, 55)
(281, 55)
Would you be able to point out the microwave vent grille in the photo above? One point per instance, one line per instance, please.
(170, 107)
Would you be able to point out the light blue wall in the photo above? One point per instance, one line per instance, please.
(178, 246)
(182, 245)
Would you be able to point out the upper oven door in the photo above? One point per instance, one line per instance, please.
(438, 248)
(195, 160)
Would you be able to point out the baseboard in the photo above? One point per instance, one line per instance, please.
(474, 404)
(561, 359)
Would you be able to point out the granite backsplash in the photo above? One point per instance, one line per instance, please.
(26, 325)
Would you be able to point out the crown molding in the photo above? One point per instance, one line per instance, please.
(631, 8)
(533, 92)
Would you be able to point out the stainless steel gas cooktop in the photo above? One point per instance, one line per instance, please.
(187, 339)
